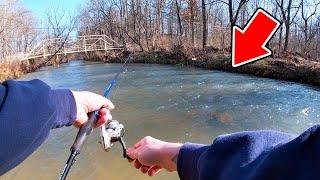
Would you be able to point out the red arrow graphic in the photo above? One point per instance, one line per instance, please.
(249, 44)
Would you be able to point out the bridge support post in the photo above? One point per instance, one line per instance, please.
(44, 50)
(105, 43)
(84, 44)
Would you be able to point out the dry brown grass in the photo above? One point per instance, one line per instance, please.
(11, 70)
(290, 68)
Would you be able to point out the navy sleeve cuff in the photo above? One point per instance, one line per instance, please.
(65, 107)
(188, 160)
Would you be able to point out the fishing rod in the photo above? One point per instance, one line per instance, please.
(111, 133)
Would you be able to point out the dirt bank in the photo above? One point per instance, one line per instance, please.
(290, 68)
(13, 70)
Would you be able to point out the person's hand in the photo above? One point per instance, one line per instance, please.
(88, 102)
(150, 155)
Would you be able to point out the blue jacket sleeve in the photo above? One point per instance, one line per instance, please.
(253, 155)
(28, 111)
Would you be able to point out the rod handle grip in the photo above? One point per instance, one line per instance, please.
(84, 131)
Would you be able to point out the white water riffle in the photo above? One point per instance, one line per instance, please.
(170, 103)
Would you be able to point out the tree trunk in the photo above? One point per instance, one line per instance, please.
(286, 38)
(192, 21)
(179, 21)
(287, 24)
(204, 24)
(231, 21)
(280, 37)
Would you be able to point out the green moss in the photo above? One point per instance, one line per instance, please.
(181, 64)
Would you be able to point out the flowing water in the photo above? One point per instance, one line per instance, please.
(170, 103)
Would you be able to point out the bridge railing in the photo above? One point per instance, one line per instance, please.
(63, 45)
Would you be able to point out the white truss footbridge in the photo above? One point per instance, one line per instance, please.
(70, 45)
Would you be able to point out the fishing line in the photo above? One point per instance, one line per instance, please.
(112, 133)
(119, 86)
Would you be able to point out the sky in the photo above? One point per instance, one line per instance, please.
(39, 7)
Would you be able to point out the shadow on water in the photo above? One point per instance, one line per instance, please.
(170, 103)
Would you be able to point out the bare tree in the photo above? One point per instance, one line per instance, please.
(150, 25)
(234, 13)
(308, 32)
(233, 10)
(192, 4)
(60, 24)
(204, 24)
(178, 18)
(17, 29)
(287, 17)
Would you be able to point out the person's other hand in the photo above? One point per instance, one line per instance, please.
(150, 155)
(88, 102)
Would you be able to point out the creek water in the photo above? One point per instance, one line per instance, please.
(170, 103)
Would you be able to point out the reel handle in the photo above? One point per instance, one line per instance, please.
(84, 131)
(124, 148)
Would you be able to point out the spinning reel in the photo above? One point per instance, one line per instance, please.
(111, 133)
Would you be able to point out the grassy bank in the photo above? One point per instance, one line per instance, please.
(289, 67)
(13, 70)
